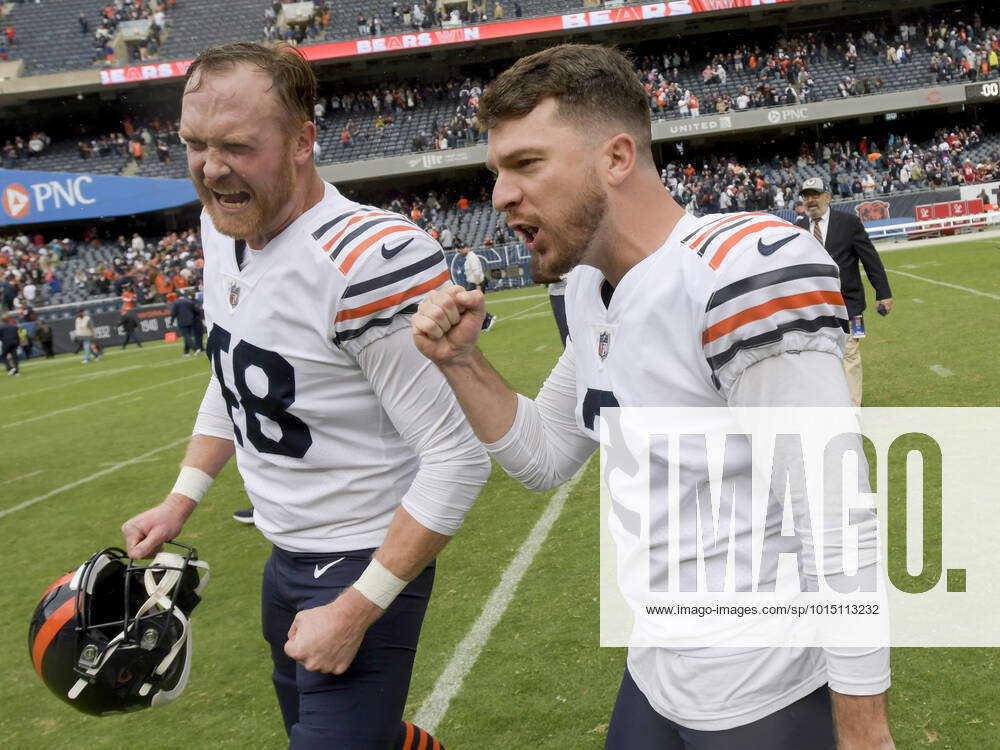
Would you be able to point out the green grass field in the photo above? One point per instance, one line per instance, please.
(84, 448)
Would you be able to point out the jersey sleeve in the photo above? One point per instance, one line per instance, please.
(776, 290)
(389, 265)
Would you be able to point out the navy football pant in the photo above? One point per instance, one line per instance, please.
(806, 724)
(362, 708)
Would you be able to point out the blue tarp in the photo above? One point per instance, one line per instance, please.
(36, 197)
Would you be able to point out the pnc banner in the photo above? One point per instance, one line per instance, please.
(36, 197)
(436, 38)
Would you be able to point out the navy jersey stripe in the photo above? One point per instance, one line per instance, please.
(725, 229)
(364, 227)
(391, 278)
(330, 224)
(776, 334)
(699, 229)
(353, 333)
(761, 280)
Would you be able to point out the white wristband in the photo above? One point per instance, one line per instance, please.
(192, 483)
(378, 585)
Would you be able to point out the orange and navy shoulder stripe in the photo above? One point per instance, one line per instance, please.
(350, 239)
(715, 239)
(759, 310)
(379, 286)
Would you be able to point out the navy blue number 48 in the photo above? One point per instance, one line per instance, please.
(295, 437)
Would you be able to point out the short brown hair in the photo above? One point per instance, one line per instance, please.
(291, 74)
(590, 82)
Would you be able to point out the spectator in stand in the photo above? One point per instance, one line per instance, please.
(447, 238)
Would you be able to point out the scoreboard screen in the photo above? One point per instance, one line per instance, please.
(983, 92)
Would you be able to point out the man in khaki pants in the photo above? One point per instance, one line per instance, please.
(844, 237)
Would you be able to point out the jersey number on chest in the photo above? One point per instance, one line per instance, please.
(295, 437)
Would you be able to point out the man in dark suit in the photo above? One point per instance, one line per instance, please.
(184, 313)
(9, 342)
(844, 237)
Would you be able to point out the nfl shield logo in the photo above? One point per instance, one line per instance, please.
(603, 344)
(234, 294)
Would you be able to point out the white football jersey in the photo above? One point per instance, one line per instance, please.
(321, 461)
(724, 292)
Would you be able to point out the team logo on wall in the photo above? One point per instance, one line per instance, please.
(872, 210)
(603, 344)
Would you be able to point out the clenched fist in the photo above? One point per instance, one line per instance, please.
(447, 324)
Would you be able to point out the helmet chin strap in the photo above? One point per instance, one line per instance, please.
(170, 566)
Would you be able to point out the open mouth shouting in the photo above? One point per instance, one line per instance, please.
(231, 199)
(527, 232)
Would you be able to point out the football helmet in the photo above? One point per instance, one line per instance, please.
(115, 636)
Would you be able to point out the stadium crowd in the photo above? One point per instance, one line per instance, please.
(782, 74)
(20, 149)
(391, 105)
(121, 11)
(154, 271)
(858, 169)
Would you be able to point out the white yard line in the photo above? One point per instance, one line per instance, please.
(23, 476)
(104, 373)
(434, 707)
(181, 361)
(522, 313)
(944, 372)
(945, 283)
(491, 301)
(96, 475)
(115, 397)
(540, 314)
(76, 377)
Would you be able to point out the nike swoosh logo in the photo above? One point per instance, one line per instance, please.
(765, 249)
(390, 253)
(320, 571)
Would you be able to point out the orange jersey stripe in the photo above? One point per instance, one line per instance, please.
(362, 246)
(347, 226)
(395, 299)
(717, 225)
(436, 745)
(408, 742)
(720, 254)
(58, 582)
(49, 630)
(763, 310)
(423, 740)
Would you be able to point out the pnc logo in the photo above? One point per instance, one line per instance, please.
(16, 201)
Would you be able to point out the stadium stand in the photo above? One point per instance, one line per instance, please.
(362, 120)
(51, 37)
(413, 116)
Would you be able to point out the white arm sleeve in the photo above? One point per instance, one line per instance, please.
(544, 447)
(416, 397)
(813, 378)
(213, 419)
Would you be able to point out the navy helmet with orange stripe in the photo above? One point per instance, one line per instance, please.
(114, 636)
